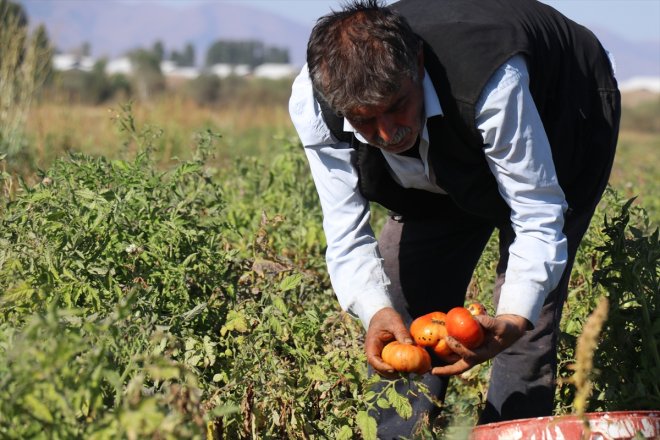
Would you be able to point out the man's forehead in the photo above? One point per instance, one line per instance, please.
(399, 95)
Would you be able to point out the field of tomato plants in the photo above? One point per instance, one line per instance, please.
(143, 297)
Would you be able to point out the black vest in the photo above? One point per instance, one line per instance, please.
(465, 41)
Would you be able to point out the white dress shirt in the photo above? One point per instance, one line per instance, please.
(518, 154)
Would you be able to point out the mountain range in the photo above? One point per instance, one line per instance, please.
(112, 28)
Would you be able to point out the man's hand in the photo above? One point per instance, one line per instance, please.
(500, 333)
(385, 326)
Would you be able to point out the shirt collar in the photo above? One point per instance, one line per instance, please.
(431, 106)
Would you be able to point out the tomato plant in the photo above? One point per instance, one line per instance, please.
(462, 326)
(407, 358)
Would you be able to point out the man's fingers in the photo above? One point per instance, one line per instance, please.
(451, 370)
(379, 365)
(462, 360)
(449, 358)
(401, 334)
(487, 322)
(460, 349)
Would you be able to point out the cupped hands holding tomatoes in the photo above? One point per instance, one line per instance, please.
(473, 347)
(463, 337)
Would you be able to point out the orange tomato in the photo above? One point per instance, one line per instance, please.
(428, 329)
(462, 326)
(407, 358)
(441, 348)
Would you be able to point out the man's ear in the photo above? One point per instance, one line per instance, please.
(420, 63)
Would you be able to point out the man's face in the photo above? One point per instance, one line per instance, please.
(394, 125)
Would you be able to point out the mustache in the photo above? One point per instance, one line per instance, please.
(400, 134)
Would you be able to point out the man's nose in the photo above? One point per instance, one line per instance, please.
(386, 128)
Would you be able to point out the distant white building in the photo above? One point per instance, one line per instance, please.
(181, 72)
(121, 65)
(68, 61)
(275, 71)
(648, 83)
(171, 69)
(124, 65)
(225, 70)
(167, 66)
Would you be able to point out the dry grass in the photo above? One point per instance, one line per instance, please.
(246, 129)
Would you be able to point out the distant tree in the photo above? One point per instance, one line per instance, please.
(12, 14)
(98, 88)
(176, 57)
(276, 55)
(120, 85)
(185, 58)
(25, 61)
(188, 56)
(249, 52)
(204, 90)
(148, 79)
(85, 49)
(85, 87)
(159, 50)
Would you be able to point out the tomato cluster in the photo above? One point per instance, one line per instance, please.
(430, 331)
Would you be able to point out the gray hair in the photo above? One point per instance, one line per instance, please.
(360, 55)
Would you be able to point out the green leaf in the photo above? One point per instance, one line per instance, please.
(190, 343)
(367, 425)
(280, 305)
(224, 410)
(400, 403)
(345, 433)
(163, 372)
(220, 377)
(199, 308)
(188, 259)
(316, 372)
(235, 321)
(290, 282)
(120, 165)
(98, 270)
(383, 403)
(369, 396)
(38, 408)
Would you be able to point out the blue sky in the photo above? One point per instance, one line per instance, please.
(635, 20)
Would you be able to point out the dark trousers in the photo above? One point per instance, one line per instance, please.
(430, 263)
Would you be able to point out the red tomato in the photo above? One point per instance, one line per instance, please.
(407, 358)
(462, 326)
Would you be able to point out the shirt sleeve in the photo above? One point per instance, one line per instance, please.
(519, 156)
(354, 263)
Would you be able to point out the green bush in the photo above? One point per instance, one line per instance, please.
(204, 90)
(137, 302)
(92, 88)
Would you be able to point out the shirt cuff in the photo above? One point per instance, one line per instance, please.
(369, 304)
(523, 300)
